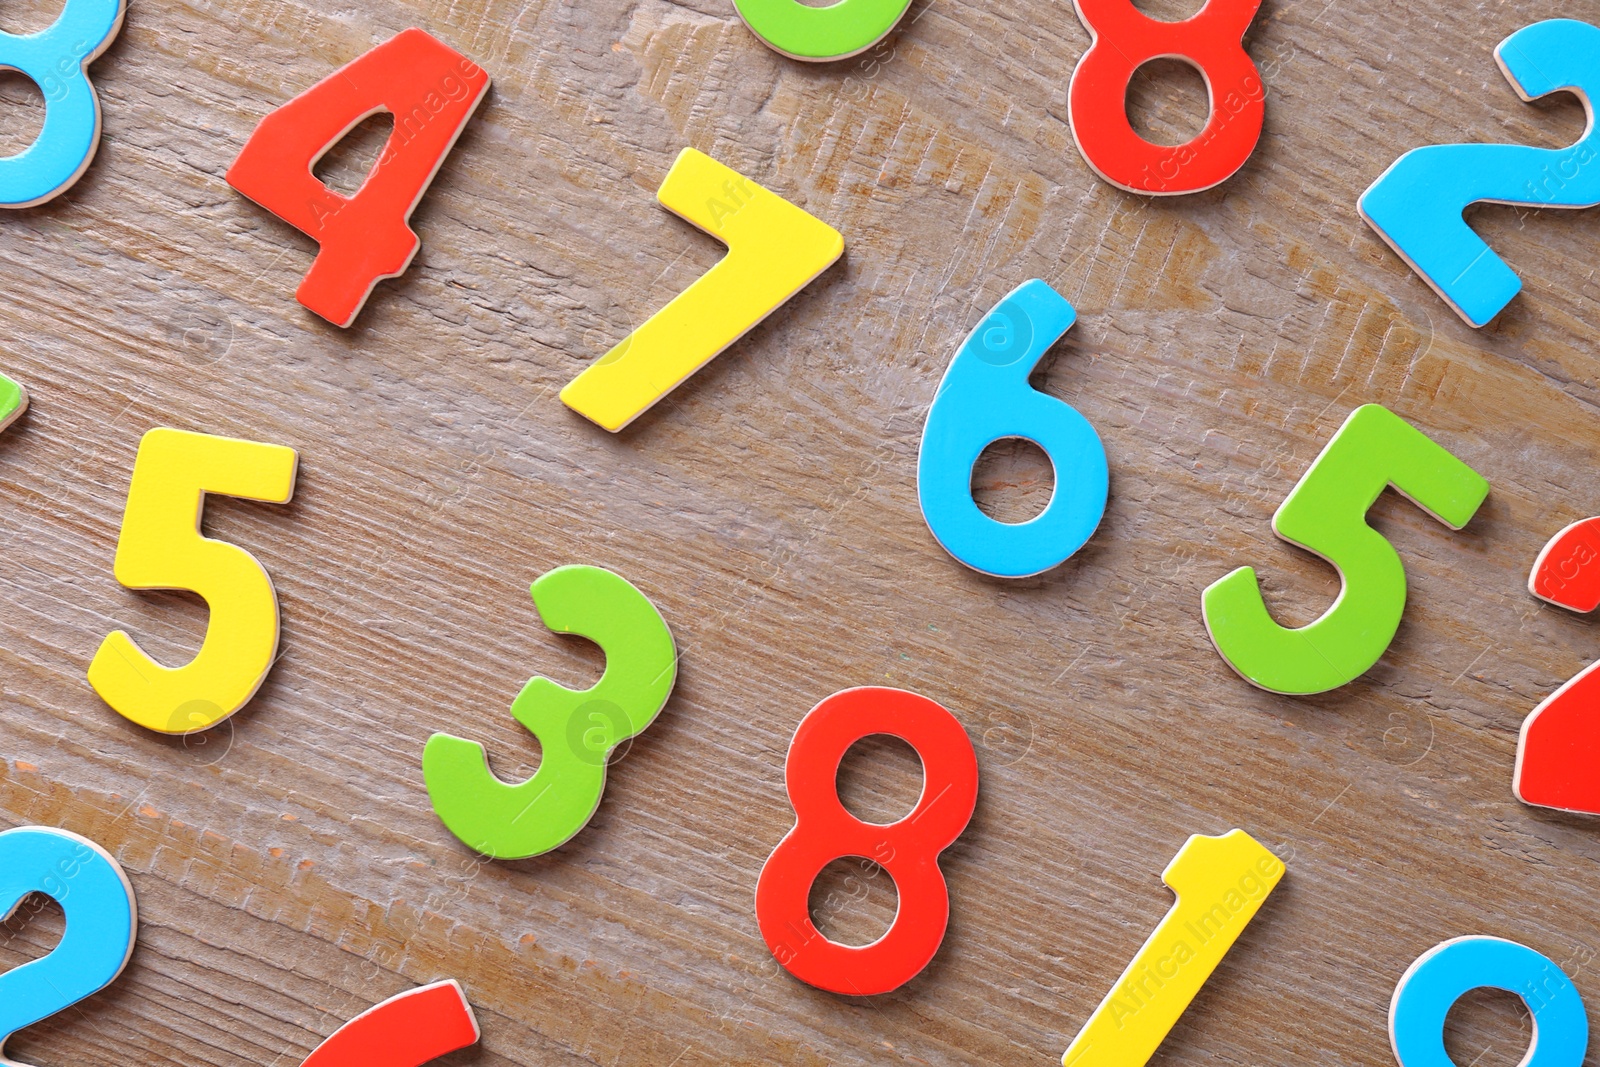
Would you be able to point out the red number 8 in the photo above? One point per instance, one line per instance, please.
(909, 849)
(1124, 40)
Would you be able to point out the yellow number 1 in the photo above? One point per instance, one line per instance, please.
(1220, 883)
(161, 547)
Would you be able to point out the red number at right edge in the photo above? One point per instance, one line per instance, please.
(407, 1030)
(1558, 748)
(1124, 40)
(909, 849)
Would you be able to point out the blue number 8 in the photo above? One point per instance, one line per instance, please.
(985, 397)
(57, 59)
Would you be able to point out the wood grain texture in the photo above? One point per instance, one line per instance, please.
(289, 869)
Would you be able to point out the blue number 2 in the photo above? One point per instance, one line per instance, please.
(1416, 205)
(985, 397)
(58, 58)
(98, 903)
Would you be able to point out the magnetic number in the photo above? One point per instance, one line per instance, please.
(775, 249)
(1446, 972)
(1558, 747)
(1220, 883)
(908, 849)
(1125, 39)
(431, 90)
(819, 34)
(101, 918)
(1416, 205)
(577, 729)
(984, 397)
(161, 548)
(407, 1030)
(58, 59)
(1564, 573)
(13, 401)
(1326, 513)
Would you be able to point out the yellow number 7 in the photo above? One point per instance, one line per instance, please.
(161, 547)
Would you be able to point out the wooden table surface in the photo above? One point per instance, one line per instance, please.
(289, 869)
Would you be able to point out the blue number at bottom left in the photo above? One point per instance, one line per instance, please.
(101, 919)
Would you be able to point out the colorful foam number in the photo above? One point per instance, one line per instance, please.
(908, 849)
(1443, 974)
(985, 397)
(13, 401)
(1125, 39)
(775, 249)
(1416, 205)
(818, 34)
(1564, 573)
(1558, 748)
(101, 923)
(161, 547)
(1327, 514)
(1220, 884)
(57, 58)
(431, 90)
(407, 1030)
(577, 729)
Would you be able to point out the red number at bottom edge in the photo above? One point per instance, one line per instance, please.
(407, 1030)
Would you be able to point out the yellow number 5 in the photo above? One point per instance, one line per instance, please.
(161, 548)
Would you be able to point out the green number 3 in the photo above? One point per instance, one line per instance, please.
(821, 34)
(1327, 514)
(577, 729)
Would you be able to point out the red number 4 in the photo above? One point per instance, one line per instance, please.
(431, 90)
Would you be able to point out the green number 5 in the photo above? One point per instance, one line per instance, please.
(1327, 514)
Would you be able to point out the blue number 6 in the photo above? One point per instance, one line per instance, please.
(985, 397)
(1416, 204)
(58, 58)
(98, 902)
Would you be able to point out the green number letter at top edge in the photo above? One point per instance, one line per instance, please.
(577, 729)
(1327, 514)
(820, 34)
